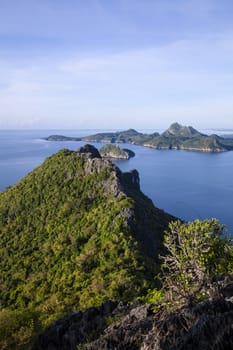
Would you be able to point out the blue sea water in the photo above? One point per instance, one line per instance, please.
(186, 184)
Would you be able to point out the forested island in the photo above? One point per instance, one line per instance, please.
(115, 152)
(175, 137)
(88, 262)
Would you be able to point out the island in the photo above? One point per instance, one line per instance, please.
(115, 152)
(176, 137)
(62, 138)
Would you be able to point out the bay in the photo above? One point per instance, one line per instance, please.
(186, 184)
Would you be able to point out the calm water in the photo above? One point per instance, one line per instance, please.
(186, 184)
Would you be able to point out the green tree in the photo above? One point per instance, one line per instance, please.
(198, 256)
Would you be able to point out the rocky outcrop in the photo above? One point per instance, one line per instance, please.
(177, 129)
(111, 326)
(89, 151)
(206, 326)
(67, 333)
(117, 182)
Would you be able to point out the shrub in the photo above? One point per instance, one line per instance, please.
(198, 256)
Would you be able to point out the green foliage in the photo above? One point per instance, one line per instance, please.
(198, 255)
(114, 151)
(67, 241)
(153, 296)
(17, 329)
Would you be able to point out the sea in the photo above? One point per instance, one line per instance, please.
(188, 185)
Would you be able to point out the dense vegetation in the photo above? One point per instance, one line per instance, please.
(73, 233)
(114, 151)
(192, 310)
(175, 137)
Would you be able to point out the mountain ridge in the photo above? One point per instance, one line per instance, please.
(176, 137)
(75, 232)
(177, 129)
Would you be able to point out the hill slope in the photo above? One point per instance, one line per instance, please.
(75, 232)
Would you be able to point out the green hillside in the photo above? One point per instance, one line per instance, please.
(75, 232)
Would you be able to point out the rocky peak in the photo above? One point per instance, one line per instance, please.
(177, 129)
(118, 181)
(89, 151)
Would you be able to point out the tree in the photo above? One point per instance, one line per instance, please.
(198, 256)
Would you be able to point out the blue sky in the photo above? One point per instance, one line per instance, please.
(116, 63)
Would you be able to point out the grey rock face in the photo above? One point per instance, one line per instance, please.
(206, 326)
(89, 151)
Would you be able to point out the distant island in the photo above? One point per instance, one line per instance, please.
(115, 152)
(177, 137)
(62, 138)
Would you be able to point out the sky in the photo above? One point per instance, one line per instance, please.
(140, 64)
